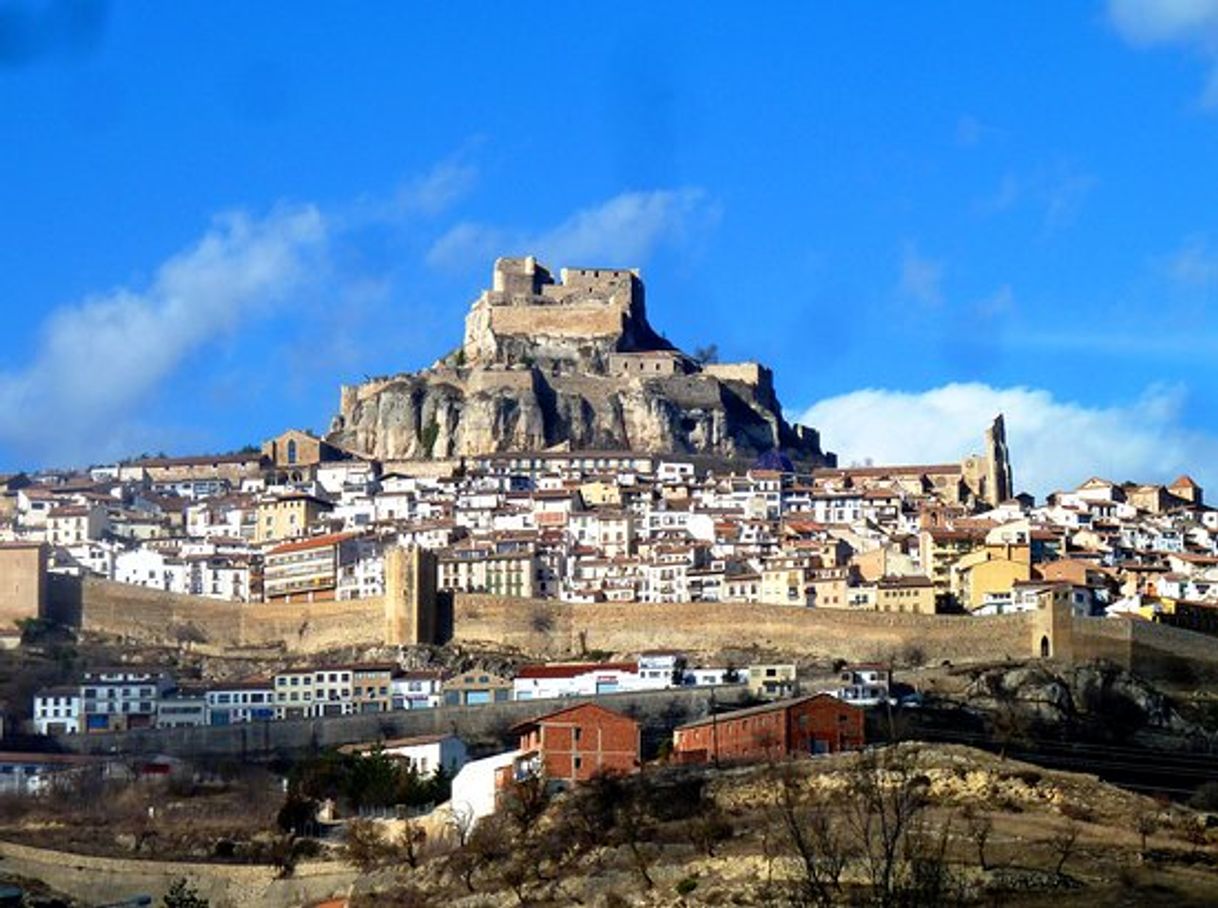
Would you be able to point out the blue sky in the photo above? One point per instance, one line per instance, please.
(212, 214)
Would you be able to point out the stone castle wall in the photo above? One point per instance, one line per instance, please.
(495, 380)
(563, 630)
(575, 321)
(537, 628)
(158, 618)
(749, 373)
(546, 629)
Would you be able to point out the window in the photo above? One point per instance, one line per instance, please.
(292, 451)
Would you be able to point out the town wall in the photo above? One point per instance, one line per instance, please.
(486, 726)
(158, 618)
(559, 630)
(95, 880)
(546, 629)
(1171, 652)
(1100, 638)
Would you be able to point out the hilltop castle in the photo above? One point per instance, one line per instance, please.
(570, 363)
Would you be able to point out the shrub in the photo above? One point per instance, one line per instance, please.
(181, 894)
(1080, 812)
(1205, 797)
(687, 885)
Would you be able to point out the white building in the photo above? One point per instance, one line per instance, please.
(416, 690)
(543, 682)
(425, 754)
(475, 787)
(57, 711)
(240, 701)
(181, 710)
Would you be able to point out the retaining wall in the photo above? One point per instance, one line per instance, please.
(485, 725)
(96, 880)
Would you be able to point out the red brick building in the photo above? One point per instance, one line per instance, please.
(574, 744)
(805, 725)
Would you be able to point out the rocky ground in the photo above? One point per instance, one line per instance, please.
(1049, 836)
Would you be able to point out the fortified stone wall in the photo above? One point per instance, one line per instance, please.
(483, 726)
(545, 629)
(558, 321)
(498, 380)
(749, 373)
(558, 630)
(1160, 650)
(158, 618)
(1102, 638)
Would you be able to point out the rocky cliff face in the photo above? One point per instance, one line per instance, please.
(573, 364)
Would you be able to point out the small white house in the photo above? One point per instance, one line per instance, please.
(425, 754)
(475, 787)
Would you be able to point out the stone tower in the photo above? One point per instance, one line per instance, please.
(410, 596)
(988, 475)
(998, 483)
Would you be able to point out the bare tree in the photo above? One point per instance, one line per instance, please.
(461, 822)
(885, 796)
(1063, 843)
(708, 827)
(810, 833)
(1146, 824)
(365, 845)
(979, 826)
(409, 843)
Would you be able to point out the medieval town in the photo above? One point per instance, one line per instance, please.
(667, 455)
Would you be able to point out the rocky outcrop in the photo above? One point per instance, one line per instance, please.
(574, 364)
(1094, 701)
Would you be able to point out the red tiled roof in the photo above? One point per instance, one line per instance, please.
(312, 542)
(570, 670)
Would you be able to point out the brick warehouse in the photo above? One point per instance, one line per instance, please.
(806, 725)
(577, 743)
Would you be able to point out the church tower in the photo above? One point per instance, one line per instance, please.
(999, 485)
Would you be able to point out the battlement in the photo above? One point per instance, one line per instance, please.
(527, 282)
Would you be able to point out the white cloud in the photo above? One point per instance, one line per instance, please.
(1192, 24)
(623, 231)
(99, 358)
(1059, 191)
(1054, 443)
(1195, 264)
(437, 190)
(921, 277)
(1000, 302)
